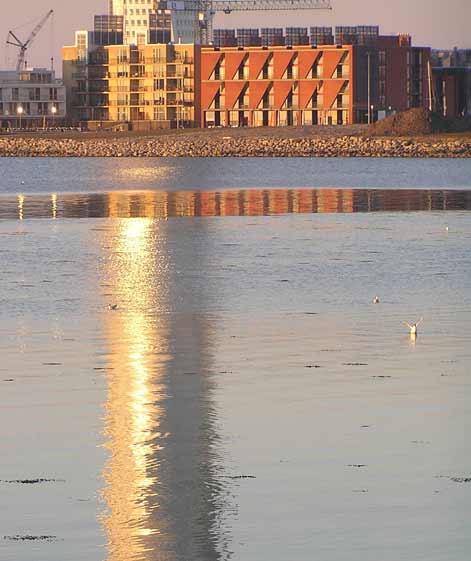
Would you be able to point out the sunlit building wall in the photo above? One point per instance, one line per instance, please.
(149, 86)
(276, 86)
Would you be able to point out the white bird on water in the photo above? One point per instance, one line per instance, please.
(413, 326)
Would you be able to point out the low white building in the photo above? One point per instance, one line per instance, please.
(31, 98)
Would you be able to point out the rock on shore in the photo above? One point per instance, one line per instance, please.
(197, 145)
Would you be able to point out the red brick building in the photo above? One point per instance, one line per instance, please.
(276, 86)
(310, 84)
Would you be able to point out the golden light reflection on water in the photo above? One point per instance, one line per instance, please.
(54, 205)
(21, 202)
(162, 495)
(133, 172)
(135, 389)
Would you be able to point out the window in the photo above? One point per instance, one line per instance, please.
(53, 94)
(35, 94)
(159, 114)
(265, 71)
(15, 94)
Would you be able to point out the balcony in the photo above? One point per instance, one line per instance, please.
(97, 89)
(183, 59)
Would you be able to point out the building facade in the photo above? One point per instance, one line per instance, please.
(311, 84)
(149, 86)
(452, 82)
(452, 91)
(247, 78)
(276, 86)
(31, 98)
(142, 16)
(399, 77)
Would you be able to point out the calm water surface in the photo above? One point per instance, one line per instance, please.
(46, 175)
(246, 400)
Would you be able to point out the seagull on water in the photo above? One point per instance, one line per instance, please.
(376, 300)
(413, 326)
(113, 307)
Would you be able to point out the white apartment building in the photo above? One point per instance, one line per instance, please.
(31, 98)
(137, 14)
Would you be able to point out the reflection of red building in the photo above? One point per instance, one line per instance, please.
(258, 86)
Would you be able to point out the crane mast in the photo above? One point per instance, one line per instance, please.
(23, 46)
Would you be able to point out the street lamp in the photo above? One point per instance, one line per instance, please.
(368, 54)
(53, 111)
(372, 108)
(19, 110)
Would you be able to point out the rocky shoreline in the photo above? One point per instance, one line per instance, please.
(234, 146)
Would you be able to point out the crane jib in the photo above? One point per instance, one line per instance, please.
(23, 46)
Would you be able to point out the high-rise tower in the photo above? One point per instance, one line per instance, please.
(140, 16)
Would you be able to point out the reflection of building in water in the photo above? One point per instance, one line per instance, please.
(160, 482)
(248, 202)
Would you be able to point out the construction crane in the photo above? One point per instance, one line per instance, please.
(229, 6)
(12, 39)
(209, 8)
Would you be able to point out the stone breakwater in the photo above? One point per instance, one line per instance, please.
(205, 146)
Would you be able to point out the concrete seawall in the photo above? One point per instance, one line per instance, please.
(205, 146)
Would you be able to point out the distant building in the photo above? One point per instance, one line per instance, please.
(451, 58)
(31, 98)
(452, 91)
(452, 82)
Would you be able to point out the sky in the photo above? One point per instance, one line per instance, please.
(437, 23)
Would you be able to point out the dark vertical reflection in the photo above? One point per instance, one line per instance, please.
(163, 495)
